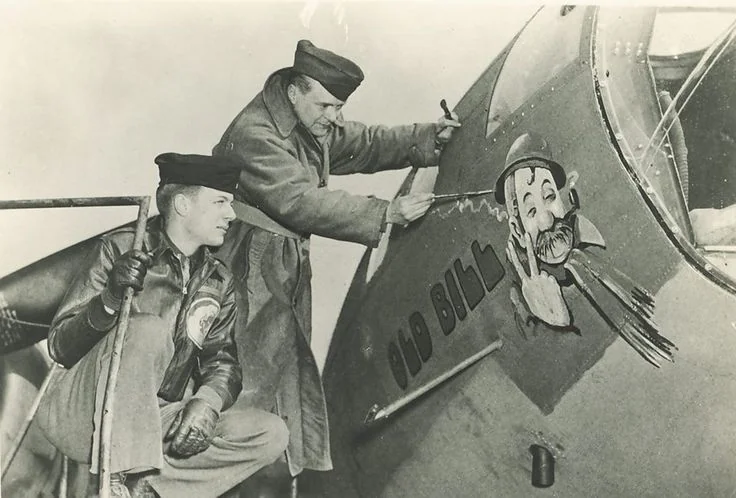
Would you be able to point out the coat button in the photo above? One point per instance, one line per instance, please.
(322, 183)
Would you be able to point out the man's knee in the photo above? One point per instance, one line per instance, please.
(276, 435)
(252, 426)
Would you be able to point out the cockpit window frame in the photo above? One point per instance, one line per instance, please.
(581, 54)
(676, 224)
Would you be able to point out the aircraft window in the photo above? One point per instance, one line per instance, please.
(679, 32)
(533, 61)
(694, 53)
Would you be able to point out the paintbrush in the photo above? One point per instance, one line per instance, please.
(461, 195)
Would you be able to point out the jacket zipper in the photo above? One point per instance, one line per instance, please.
(207, 269)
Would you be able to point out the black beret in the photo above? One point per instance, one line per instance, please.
(339, 76)
(219, 173)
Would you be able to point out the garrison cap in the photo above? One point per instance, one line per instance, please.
(219, 173)
(339, 76)
(527, 147)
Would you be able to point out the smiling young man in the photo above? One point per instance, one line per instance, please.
(174, 433)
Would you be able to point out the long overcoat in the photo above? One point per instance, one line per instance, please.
(283, 199)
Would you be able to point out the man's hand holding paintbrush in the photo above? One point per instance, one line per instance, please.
(407, 208)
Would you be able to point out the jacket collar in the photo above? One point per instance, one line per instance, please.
(157, 242)
(277, 103)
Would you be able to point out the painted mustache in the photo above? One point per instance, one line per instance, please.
(553, 245)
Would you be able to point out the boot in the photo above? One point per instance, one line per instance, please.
(117, 486)
(140, 487)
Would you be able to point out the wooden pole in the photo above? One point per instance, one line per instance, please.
(64, 480)
(294, 488)
(117, 349)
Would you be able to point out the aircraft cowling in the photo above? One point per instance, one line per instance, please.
(30, 296)
(29, 299)
(36, 467)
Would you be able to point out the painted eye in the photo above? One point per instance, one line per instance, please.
(531, 213)
(550, 196)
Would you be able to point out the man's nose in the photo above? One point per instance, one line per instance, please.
(229, 213)
(545, 220)
(331, 114)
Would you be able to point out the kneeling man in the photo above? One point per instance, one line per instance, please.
(174, 433)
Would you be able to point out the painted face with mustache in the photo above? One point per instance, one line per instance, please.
(542, 214)
(553, 246)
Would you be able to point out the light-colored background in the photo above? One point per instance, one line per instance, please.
(91, 92)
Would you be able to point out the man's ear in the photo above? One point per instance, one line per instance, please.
(181, 204)
(291, 93)
(517, 231)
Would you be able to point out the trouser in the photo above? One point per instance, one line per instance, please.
(70, 414)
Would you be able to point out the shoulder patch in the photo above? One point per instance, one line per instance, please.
(200, 316)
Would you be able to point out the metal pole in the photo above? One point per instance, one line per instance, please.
(29, 418)
(112, 377)
(377, 413)
(67, 202)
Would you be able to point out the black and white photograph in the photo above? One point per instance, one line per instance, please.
(369, 249)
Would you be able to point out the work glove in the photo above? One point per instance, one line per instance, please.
(129, 270)
(193, 429)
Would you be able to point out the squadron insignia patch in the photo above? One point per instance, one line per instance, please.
(199, 319)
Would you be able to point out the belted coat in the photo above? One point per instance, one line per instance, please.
(285, 199)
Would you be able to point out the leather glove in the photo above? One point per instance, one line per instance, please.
(193, 429)
(129, 270)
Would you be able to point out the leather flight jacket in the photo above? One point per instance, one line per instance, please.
(197, 310)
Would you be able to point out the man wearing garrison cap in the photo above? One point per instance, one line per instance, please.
(288, 140)
(175, 432)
